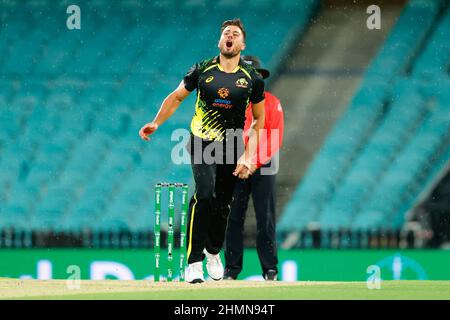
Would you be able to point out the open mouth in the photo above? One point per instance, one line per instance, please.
(229, 44)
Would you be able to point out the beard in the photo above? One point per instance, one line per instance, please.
(229, 54)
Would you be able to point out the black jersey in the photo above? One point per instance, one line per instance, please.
(222, 98)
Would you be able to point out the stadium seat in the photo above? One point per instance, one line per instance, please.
(73, 103)
(393, 138)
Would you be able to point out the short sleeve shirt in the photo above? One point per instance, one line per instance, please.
(222, 98)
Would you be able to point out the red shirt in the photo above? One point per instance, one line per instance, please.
(272, 136)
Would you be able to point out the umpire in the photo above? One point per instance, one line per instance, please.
(261, 185)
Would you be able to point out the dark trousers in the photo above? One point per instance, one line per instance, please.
(262, 189)
(209, 208)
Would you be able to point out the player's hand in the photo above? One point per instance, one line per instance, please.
(244, 169)
(248, 172)
(147, 130)
(241, 171)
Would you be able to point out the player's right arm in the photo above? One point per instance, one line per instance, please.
(168, 107)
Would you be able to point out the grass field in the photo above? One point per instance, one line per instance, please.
(222, 290)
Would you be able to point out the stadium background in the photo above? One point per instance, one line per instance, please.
(364, 171)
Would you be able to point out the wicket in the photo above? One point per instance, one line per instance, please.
(170, 231)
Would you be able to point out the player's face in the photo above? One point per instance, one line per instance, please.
(231, 41)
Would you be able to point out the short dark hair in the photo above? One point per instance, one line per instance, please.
(235, 22)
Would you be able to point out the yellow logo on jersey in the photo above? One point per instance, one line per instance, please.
(210, 78)
(242, 83)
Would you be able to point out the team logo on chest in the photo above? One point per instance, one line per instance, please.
(223, 102)
(223, 92)
(242, 83)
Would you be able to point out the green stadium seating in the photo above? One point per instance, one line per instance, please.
(393, 138)
(72, 102)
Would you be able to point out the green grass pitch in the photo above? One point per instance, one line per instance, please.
(222, 290)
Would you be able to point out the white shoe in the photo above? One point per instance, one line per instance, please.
(194, 273)
(214, 266)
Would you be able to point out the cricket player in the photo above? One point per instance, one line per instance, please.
(261, 185)
(226, 86)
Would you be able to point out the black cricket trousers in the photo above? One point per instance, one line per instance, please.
(262, 189)
(210, 206)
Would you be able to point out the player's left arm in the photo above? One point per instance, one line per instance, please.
(245, 164)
